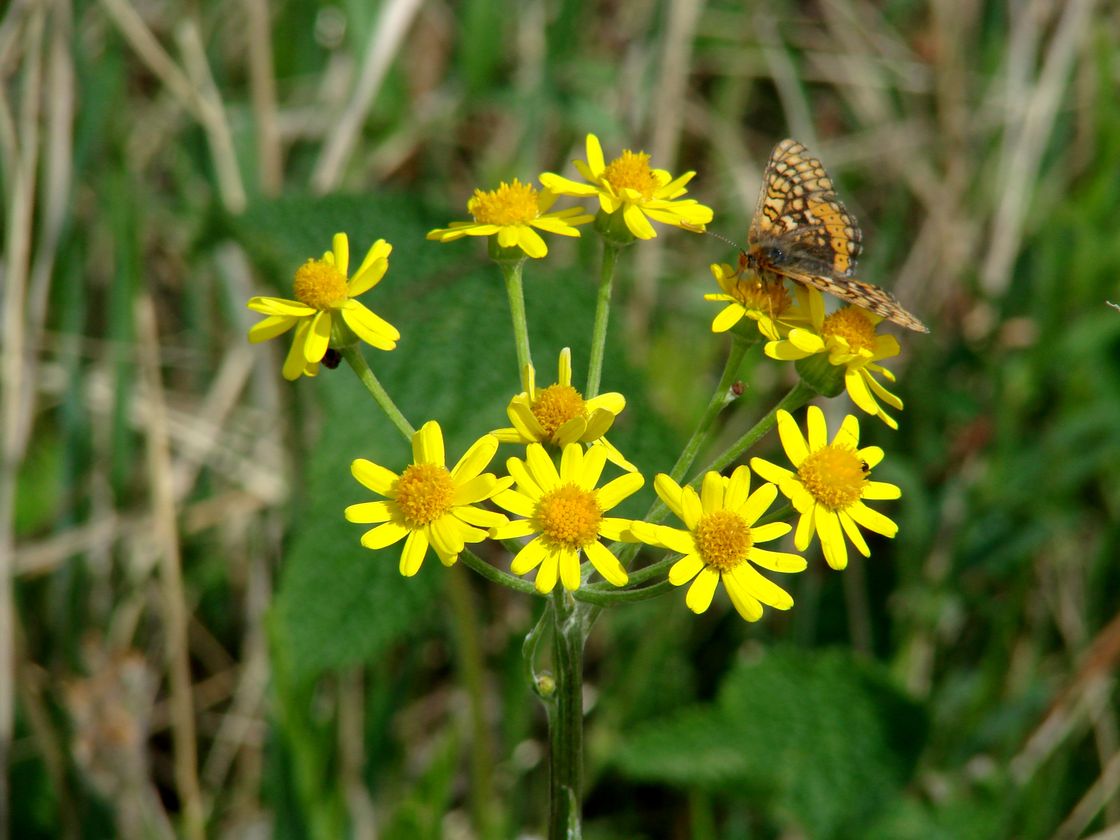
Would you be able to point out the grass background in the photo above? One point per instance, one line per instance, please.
(191, 640)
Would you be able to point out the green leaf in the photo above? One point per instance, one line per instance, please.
(822, 739)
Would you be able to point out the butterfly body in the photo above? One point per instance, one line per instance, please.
(801, 231)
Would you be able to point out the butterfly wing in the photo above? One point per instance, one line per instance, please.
(804, 232)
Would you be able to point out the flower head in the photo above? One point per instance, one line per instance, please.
(427, 503)
(566, 512)
(829, 484)
(767, 303)
(720, 542)
(559, 415)
(512, 211)
(322, 295)
(849, 339)
(627, 184)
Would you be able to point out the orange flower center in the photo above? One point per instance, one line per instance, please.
(320, 285)
(835, 476)
(723, 539)
(424, 493)
(556, 405)
(509, 204)
(631, 170)
(569, 516)
(769, 298)
(853, 325)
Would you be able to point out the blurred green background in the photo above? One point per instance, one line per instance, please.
(193, 643)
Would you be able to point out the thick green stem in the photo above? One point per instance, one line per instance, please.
(515, 291)
(602, 316)
(797, 397)
(358, 364)
(565, 722)
(494, 575)
(720, 398)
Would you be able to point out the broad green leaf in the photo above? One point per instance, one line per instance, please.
(821, 741)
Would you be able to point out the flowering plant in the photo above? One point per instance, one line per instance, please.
(531, 506)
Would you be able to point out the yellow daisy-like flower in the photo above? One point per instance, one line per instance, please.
(721, 542)
(559, 415)
(628, 184)
(768, 304)
(565, 510)
(512, 211)
(427, 503)
(322, 294)
(829, 485)
(848, 337)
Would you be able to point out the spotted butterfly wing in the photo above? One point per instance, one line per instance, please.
(802, 231)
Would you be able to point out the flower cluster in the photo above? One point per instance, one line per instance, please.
(550, 505)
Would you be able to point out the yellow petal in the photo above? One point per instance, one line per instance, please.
(475, 459)
(367, 513)
(271, 327)
(415, 547)
(340, 245)
(373, 476)
(792, 441)
(699, 596)
(816, 428)
(383, 535)
(613, 492)
(685, 569)
(369, 326)
(427, 445)
(317, 338)
(606, 563)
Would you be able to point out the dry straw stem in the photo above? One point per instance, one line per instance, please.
(171, 574)
(667, 116)
(197, 92)
(19, 145)
(1027, 132)
(384, 42)
(262, 90)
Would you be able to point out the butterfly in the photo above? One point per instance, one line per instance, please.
(800, 230)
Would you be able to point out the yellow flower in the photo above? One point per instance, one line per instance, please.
(512, 211)
(721, 542)
(628, 184)
(559, 415)
(830, 484)
(322, 294)
(565, 510)
(848, 337)
(768, 304)
(427, 503)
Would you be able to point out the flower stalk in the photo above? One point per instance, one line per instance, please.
(602, 316)
(358, 364)
(565, 720)
(511, 272)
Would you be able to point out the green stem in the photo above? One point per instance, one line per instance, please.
(529, 649)
(358, 364)
(476, 564)
(602, 315)
(565, 722)
(605, 598)
(719, 400)
(515, 291)
(797, 397)
(641, 576)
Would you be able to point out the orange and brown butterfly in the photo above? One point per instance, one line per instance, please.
(800, 230)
